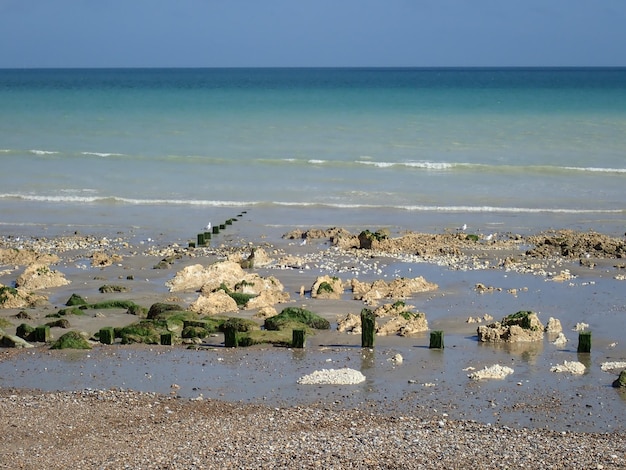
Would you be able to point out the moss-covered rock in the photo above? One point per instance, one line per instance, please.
(291, 316)
(109, 288)
(25, 331)
(71, 340)
(159, 307)
(144, 331)
(75, 300)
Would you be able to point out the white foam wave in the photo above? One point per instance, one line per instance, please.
(43, 152)
(596, 170)
(101, 154)
(73, 198)
(317, 162)
(424, 165)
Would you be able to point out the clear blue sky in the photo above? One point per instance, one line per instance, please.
(218, 33)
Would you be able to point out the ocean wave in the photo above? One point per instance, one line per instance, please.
(82, 199)
(596, 170)
(43, 152)
(102, 154)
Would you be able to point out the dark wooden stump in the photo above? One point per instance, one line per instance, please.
(436, 339)
(42, 334)
(107, 335)
(201, 239)
(368, 328)
(299, 339)
(166, 339)
(584, 342)
(230, 336)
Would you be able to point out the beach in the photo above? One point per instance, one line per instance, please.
(495, 191)
(214, 406)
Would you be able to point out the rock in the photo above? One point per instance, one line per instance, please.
(560, 340)
(400, 288)
(573, 367)
(581, 326)
(620, 382)
(13, 257)
(351, 323)
(404, 325)
(101, 259)
(12, 341)
(266, 312)
(327, 287)
(519, 327)
(345, 376)
(613, 365)
(492, 372)
(214, 304)
(11, 297)
(40, 276)
(258, 258)
(554, 326)
(266, 299)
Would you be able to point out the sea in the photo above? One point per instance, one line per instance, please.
(427, 149)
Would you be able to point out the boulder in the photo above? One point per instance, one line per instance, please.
(11, 297)
(13, 257)
(519, 327)
(100, 259)
(554, 326)
(404, 325)
(40, 276)
(327, 287)
(214, 303)
(399, 288)
(620, 382)
(12, 341)
(351, 323)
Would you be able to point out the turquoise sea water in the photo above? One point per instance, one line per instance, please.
(139, 145)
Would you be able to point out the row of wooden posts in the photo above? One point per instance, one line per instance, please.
(107, 336)
(204, 238)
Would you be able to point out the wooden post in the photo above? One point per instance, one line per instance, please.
(215, 230)
(298, 339)
(230, 336)
(42, 334)
(436, 340)
(222, 226)
(207, 236)
(584, 342)
(368, 328)
(107, 335)
(166, 339)
(229, 222)
(192, 244)
(201, 239)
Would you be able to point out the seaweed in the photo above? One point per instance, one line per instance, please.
(295, 315)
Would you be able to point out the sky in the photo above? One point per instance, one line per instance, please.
(306, 33)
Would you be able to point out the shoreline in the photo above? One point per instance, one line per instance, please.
(429, 385)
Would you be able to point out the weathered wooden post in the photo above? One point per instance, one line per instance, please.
(222, 226)
(230, 336)
(201, 239)
(229, 222)
(166, 339)
(42, 334)
(192, 244)
(207, 237)
(368, 328)
(436, 339)
(107, 335)
(298, 339)
(215, 230)
(584, 342)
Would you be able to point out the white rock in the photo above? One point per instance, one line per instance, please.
(345, 376)
(613, 365)
(572, 367)
(495, 371)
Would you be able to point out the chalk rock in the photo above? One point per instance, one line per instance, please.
(11, 257)
(19, 298)
(404, 325)
(613, 365)
(351, 323)
(519, 327)
(400, 288)
(100, 259)
(266, 312)
(12, 341)
(573, 367)
(214, 303)
(345, 376)
(554, 326)
(327, 287)
(560, 340)
(40, 276)
(492, 372)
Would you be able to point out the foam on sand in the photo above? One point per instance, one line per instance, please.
(495, 371)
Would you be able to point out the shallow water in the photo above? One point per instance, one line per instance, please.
(429, 381)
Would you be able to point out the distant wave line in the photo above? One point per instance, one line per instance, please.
(218, 203)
